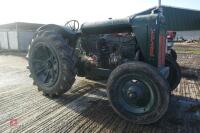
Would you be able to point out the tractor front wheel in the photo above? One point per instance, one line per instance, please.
(138, 93)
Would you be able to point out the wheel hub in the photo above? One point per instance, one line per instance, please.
(45, 65)
(136, 93)
(136, 96)
(131, 93)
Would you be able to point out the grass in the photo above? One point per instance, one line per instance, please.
(189, 48)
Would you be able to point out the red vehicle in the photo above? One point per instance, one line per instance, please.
(170, 42)
(171, 35)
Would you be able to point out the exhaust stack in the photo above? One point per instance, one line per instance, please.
(159, 3)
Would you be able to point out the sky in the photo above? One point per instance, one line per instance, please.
(61, 11)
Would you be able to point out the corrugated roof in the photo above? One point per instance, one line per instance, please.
(21, 26)
(179, 19)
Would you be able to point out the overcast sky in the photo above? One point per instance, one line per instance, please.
(59, 11)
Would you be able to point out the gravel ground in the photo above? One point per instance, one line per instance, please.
(85, 108)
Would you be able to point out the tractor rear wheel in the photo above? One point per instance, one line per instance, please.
(52, 63)
(138, 93)
(174, 77)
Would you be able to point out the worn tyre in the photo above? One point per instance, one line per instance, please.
(138, 93)
(174, 77)
(52, 63)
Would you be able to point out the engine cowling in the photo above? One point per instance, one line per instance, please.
(107, 27)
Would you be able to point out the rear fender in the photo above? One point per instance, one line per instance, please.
(64, 31)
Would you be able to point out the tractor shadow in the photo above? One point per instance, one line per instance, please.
(190, 73)
(183, 113)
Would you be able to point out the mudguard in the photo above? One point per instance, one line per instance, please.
(66, 32)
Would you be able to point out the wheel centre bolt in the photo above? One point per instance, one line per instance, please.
(131, 94)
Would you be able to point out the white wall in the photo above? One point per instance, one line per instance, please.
(8, 40)
(3, 40)
(25, 38)
(12, 36)
(188, 35)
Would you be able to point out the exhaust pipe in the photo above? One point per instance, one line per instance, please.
(159, 3)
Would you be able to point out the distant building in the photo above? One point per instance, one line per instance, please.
(185, 21)
(17, 36)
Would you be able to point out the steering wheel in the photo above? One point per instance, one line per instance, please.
(73, 25)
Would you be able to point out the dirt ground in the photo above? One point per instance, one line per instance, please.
(85, 108)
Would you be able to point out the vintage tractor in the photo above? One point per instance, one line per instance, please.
(130, 53)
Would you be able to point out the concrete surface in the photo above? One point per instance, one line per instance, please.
(85, 108)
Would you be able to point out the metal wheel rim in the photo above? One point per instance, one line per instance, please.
(135, 108)
(45, 65)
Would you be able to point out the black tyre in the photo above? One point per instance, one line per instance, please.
(172, 53)
(138, 93)
(52, 63)
(174, 77)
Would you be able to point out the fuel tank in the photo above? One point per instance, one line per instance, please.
(108, 26)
